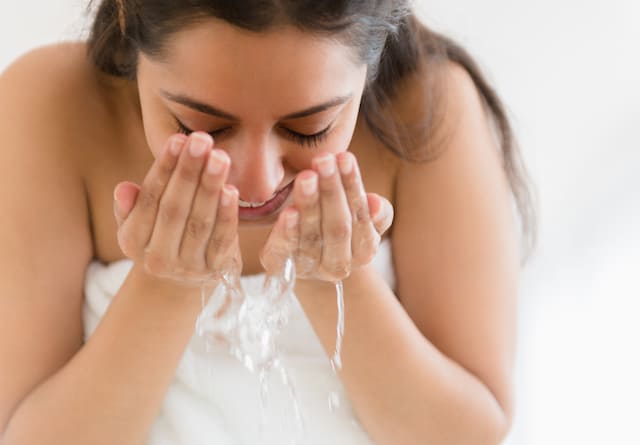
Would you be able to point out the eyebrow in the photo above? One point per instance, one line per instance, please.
(213, 111)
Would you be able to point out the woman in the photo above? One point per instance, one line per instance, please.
(234, 134)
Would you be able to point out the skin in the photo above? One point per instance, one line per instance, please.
(258, 157)
(427, 362)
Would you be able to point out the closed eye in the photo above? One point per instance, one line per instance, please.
(184, 130)
(308, 140)
(305, 140)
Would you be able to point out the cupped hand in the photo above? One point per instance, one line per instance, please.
(181, 224)
(333, 226)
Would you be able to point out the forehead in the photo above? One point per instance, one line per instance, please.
(217, 60)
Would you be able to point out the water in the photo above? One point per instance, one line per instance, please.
(336, 360)
(248, 325)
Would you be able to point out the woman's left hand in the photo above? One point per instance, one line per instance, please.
(333, 226)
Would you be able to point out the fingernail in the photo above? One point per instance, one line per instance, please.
(346, 164)
(326, 166)
(198, 145)
(310, 185)
(216, 163)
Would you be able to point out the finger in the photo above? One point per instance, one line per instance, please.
(124, 199)
(336, 219)
(305, 197)
(136, 230)
(282, 243)
(176, 201)
(223, 240)
(382, 212)
(364, 237)
(202, 218)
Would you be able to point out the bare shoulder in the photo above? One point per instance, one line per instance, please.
(455, 240)
(58, 91)
(62, 71)
(46, 243)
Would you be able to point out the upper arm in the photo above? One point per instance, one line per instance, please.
(45, 241)
(455, 244)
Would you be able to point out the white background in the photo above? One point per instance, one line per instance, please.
(569, 72)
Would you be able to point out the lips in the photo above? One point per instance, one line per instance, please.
(251, 211)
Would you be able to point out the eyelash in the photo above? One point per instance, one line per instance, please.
(305, 140)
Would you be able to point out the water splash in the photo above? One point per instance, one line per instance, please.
(218, 320)
(334, 401)
(336, 360)
(248, 326)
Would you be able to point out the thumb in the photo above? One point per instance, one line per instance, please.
(381, 212)
(124, 199)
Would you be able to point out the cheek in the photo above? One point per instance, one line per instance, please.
(340, 138)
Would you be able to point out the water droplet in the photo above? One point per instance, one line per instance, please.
(334, 401)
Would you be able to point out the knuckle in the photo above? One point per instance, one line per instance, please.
(360, 211)
(187, 173)
(224, 220)
(340, 231)
(310, 238)
(197, 228)
(148, 198)
(169, 212)
(165, 169)
(217, 244)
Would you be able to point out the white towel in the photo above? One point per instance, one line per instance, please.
(214, 399)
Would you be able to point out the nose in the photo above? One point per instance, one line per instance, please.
(256, 169)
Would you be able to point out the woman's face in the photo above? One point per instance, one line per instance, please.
(272, 100)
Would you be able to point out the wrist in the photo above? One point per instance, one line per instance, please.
(315, 287)
(166, 287)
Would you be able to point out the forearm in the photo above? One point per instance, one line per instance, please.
(112, 389)
(402, 388)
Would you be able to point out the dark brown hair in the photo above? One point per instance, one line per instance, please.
(385, 35)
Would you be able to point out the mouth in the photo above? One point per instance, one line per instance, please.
(253, 211)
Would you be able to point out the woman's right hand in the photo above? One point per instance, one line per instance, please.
(181, 225)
